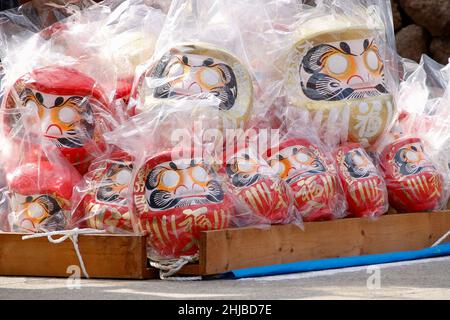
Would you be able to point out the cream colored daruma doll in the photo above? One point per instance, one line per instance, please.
(199, 71)
(336, 70)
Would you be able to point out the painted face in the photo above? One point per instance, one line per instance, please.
(343, 71)
(295, 162)
(37, 212)
(243, 170)
(180, 184)
(65, 120)
(197, 75)
(358, 164)
(411, 159)
(115, 183)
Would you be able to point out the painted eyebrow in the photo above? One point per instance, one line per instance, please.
(329, 52)
(368, 46)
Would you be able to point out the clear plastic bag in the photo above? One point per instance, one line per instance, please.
(257, 186)
(101, 199)
(413, 155)
(199, 54)
(72, 108)
(178, 187)
(363, 183)
(62, 74)
(339, 63)
(39, 181)
(308, 167)
(415, 181)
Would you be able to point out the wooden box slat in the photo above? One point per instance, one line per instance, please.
(105, 256)
(124, 257)
(226, 250)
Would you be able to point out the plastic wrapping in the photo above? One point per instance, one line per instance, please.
(415, 182)
(199, 54)
(72, 108)
(175, 200)
(114, 36)
(39, 180)
(260, 190)
(178, 188)
(308, 167)
(132, 28)
(362, 181)
(340, 64)
(101, 200)
(336, 59)
(65, 73)
(413, 155)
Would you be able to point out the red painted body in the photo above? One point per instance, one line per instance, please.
(170, 201)
(311, 177)
(413, 180)
(363, 184)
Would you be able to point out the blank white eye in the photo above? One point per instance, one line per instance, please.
(372, 60)
(67, 115)
(278, 167)
(412, 156)
(123, 177)
(301, 157)
(32, 105)
(211, 77)
(246, 166)
(176, 70)
(199, 174)
(358, 160)
(337, 64)
(36, 211)
(170, 179)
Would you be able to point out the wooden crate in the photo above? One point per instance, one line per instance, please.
(222, 251)
(124, 257)
(105, 256)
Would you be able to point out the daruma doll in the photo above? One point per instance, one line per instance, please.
(258, 186)
(199, 71)
(106, 205)
(175, 200)
(311, 177)
(67, 103)
(337, 71)
(40, 197)
(363, 184)
(414, 182)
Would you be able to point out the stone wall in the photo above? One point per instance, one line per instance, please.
(422, 26)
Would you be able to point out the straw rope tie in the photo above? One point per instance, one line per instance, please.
(168, 268)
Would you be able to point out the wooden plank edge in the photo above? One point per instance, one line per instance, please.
(438, 223)
(136, 256)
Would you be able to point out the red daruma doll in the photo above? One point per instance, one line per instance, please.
(40, 196)
(413, 180)
(67, 102)
(106, 203)
(256, 185)
(311, 176)
(363, 185)
(177, 199)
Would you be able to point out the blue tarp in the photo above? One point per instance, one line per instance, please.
(337, 263)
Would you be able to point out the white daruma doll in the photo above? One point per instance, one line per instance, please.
(336, 70)
(199, 71)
